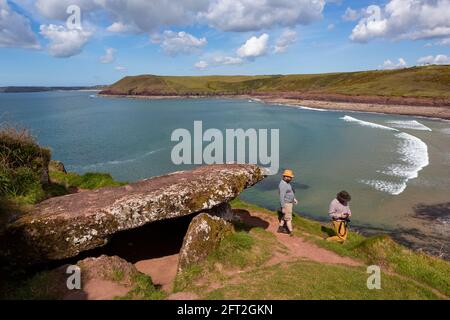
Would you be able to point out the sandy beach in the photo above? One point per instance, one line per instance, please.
(429, 111)
(442, 112)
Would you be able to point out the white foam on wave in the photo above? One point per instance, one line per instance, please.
(366, 123)
(445, 130)
(409, 124)
(414, 152)
(313, 109)
(393, 188)
(413, 156)
(116, 162)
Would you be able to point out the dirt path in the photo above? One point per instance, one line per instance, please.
(162, 270)
(297, 247)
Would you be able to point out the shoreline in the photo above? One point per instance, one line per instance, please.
(437, 113)
(430, 112)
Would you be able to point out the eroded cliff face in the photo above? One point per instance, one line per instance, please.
(62, 227)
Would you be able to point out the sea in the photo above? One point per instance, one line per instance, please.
(396, 168)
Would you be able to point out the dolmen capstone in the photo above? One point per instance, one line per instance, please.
(62, 227)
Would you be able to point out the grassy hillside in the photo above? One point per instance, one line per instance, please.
(426, 81)
(238, 270)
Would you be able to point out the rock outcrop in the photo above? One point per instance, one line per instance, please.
(203, 236)
(64, 226)
(56, 166)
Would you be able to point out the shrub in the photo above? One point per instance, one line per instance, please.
(23, 164)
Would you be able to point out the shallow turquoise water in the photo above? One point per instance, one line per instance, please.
(130, 138)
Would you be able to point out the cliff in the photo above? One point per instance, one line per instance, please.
(428, 85)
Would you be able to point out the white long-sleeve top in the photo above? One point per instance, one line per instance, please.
(338, 211)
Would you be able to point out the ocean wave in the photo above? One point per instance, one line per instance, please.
(366, 123)
(303, 107)
(393, 188)
(413, 154)
(445, 130)
(314, 109)
(117, 162)
(409, 124)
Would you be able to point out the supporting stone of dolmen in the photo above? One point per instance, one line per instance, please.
(64, 226)
(203, 236)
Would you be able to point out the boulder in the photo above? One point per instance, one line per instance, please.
(62, 227)
(56, 166)
(101, 278)
(203, 236)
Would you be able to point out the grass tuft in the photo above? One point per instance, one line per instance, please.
(88, 180)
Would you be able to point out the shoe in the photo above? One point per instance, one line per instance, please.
(281, 230)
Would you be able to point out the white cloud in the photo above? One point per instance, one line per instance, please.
(251, 15)
(226, 15)
(404, 19)
(119, 27)
(121, 69)
(439, 59)
(15, 30)
(330, 27)
(251, 49)
(371, 26)
(441, 42)
(174, 43)
(65, 42)
(57, 9)
(129, 15)
(254, 47)
(201, 65)
(351, 15)
(227, 60)
(444, 42)
(287, 38)
(389, 65)
(217, 60)
(109, 56)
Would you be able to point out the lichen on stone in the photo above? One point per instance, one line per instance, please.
(62, 227)
(203, 236)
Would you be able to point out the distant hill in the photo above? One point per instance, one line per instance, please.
(426, 82)
(12, 89)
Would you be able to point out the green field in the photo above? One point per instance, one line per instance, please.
(426, 81)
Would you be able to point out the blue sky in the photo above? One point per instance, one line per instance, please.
(201, 37)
